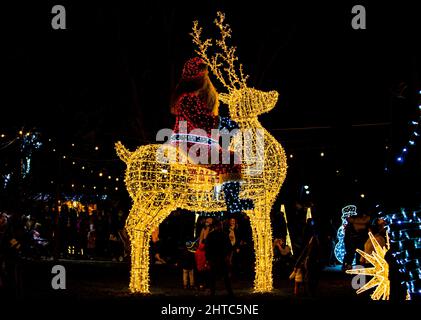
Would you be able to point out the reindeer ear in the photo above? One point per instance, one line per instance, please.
(224, 97)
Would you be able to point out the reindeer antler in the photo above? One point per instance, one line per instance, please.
(227, 55)
(202, 52)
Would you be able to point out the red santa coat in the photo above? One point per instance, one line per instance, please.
(192, 113)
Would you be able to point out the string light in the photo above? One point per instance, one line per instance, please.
(414, 124)
(288, 237)
(322, 154)
(308, 214)
(405, 243)
(158, 188)
(96, 148)
(100, 174)
(379, 271)
(3, 135)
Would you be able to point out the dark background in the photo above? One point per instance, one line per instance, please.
(109, 77)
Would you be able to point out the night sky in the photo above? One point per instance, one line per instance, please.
(110, 74)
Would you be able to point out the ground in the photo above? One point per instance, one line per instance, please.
(101, 288)
(95, 280)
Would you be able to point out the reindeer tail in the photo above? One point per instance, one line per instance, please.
(122, 152)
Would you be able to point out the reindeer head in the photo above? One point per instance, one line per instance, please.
(244, 103)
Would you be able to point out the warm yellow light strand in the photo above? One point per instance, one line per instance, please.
(309, 215)
(288, 237)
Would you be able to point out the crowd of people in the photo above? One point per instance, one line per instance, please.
(219, 253)
(224, 250)
(65, 233)
(220, 249)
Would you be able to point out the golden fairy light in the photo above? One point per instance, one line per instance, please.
(157, 188)
(308, 214)
(379, 271)
(288, 237)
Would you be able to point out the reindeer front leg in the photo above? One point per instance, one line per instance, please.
(139, 244)
(139, 277)
(262, 238)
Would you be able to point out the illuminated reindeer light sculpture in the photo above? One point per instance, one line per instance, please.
(158, 187)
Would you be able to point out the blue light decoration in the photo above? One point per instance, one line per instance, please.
(6, 180)
(232, 198)
(347, 211)
(228, 124)
(404, 229)
(30, 143)
(411, 142)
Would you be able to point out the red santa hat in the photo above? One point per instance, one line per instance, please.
(194, 69)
